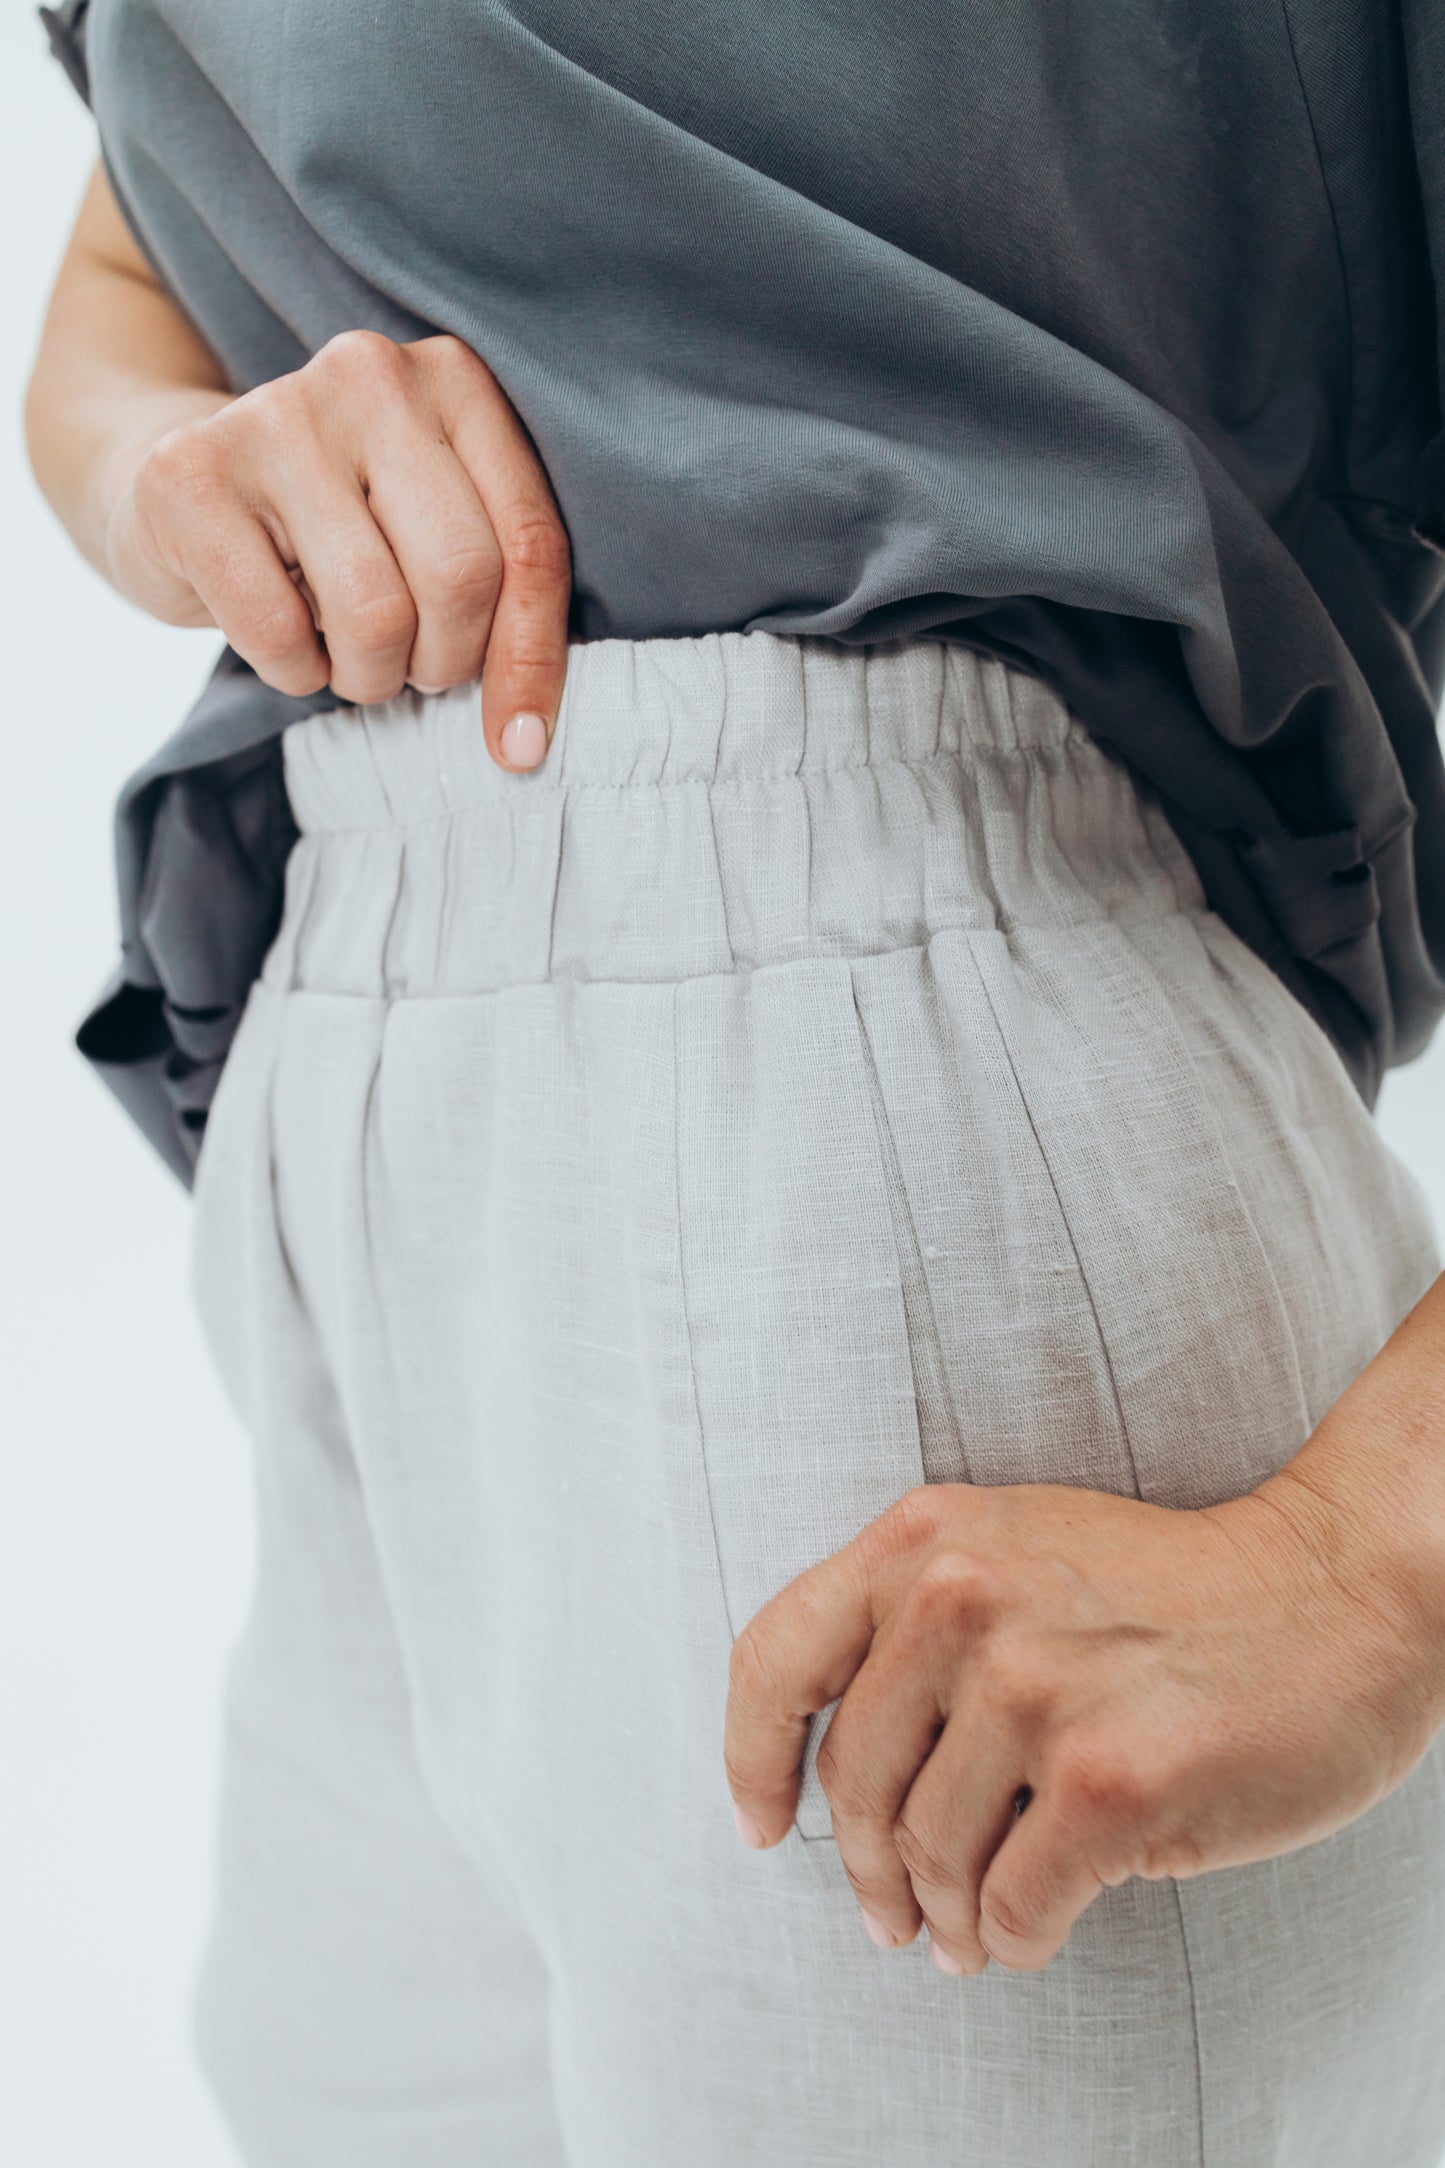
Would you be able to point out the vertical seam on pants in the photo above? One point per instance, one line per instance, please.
(686, 1315)
(364, 1139)
(386, 962)
(446, 908)
(1047, 1166)
(273, 1178)
(1194, 2016)
(722, 886)
(559, 841)
(904, 1230)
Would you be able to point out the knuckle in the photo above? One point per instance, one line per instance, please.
(953, 1589)
(911, 1523)
(277, 424)
(1095, 1784)
(377, 623)
(872, 1891)
(1017, 1680)
(276, 628)
(750, 1667)
(845, 1783)
(358, 354)
(921, 1853)
(184, 469)
(536, 543)
(998, 1909)
(532, 661)
(451, 357)
(465, 579)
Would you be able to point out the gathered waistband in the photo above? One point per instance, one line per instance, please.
(720, 707)
(713, 803)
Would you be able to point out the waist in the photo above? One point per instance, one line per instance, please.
(725, 802)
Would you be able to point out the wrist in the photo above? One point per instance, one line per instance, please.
(1369, 1481)
(1342, 1510)
(1368, 1633)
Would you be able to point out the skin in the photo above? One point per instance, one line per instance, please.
(1178, 1690)
(1045, 1690)
(375, 519)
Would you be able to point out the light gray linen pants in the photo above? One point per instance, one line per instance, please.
(822, 1075)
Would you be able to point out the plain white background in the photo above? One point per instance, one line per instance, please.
(124, 1527)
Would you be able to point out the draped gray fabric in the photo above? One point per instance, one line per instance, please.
(1101, 339)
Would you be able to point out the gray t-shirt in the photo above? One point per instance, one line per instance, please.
(1099, 337)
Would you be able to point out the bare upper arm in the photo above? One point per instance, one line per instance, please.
(109, 309)
(101, 238)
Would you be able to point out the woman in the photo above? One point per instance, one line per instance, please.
(851, 609)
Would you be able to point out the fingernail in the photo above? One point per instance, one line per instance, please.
(877, 1931)
(748, 1829)
(941, 1958)
(524, 740)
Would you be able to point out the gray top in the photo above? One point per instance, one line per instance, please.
(1099, 337)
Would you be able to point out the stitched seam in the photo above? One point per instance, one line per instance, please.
(721, 890)
(1046, 1163)
(559, 845)
(1194, 2015)
(687, 1316)
(393, 919)
(900, 1208)
(367, 1141)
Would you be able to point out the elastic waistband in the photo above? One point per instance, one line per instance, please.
(708, 805)
(720, 707)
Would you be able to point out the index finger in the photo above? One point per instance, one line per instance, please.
(793, 1657)
(525, 664)
(526, 660)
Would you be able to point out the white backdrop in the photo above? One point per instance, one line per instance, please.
(124, 1521)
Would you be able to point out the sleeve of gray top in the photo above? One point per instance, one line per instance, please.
(65, 28)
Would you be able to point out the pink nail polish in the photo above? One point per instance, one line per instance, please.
(877, 1932)
(748, 1829)
(524, 740)
(944, 1962)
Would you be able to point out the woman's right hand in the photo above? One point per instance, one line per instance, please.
(377, 518)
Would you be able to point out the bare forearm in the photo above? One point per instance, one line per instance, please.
(118, 367)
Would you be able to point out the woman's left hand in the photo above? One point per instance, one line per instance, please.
(1178, 1690)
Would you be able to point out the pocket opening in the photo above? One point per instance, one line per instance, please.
(940, 1434)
